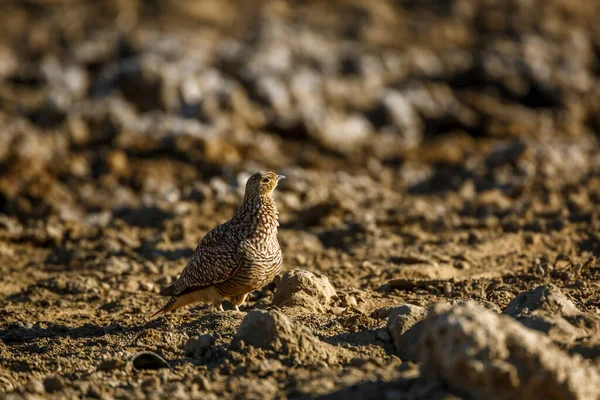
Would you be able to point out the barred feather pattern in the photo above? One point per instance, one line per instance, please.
(241, 255)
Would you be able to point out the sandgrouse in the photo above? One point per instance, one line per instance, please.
(235, 258)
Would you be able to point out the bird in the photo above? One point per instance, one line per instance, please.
(236, 257)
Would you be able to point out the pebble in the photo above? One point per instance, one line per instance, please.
(300, 259)
(337, 310)
(447, 289)
(351, 301)
(147, 286)
(36, 386)
(463, 265)
(197, 345)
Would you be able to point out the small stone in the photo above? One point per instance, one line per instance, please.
(197, 345)
(462, 265)
(447, 289)
(404, 326)
(147, 286)
(300, 259)
(117, 162)
(351, 301)
(36, 386)
(540, 270)
(337, 310)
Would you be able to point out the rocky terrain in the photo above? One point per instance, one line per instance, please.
(440, 223)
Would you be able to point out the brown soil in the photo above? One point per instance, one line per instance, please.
(434, 150)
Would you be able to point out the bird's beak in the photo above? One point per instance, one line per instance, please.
(280, 177)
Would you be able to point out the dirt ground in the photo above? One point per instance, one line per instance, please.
(434, 151)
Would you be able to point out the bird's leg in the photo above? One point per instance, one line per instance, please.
(218, 305)
(238, 301)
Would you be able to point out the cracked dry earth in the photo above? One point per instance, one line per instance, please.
(436, 152)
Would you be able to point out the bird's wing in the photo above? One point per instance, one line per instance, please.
(215, 236)
(208, 266)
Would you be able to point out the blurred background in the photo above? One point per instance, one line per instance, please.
(111, 104)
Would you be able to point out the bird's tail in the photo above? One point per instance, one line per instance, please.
(206, 294)
(169, 306)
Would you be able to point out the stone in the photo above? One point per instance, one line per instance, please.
(546, 298)
(272, 330)
(404, 326)
(300, 288)
(197, 345)
(487, 355)
(36, 386)
(548, 310)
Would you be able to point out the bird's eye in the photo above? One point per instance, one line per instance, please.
(266, 180)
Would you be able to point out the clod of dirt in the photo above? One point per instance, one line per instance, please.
(197, 345)
(272, 330)
(491, 356)
(148, 360)
(548, 310)
(299, 288)
(546, 298)
(36, 386)
(405, 324)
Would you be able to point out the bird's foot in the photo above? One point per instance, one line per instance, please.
(236, 308)
(219, 307)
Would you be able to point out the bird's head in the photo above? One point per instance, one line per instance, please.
(262, 183)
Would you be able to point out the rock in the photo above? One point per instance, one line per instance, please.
(197, 345)
(36, 386)
(546, 298)
(272, 330)
(148, 360)
(53, 384)
(548, 310)
(487, 355)
(299, 288)
(405, 326)
(556, 327)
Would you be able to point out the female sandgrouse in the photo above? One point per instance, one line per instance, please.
(235, 258)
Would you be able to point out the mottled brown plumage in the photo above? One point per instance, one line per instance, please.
(235, 258)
